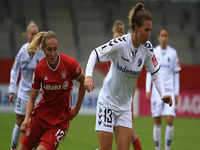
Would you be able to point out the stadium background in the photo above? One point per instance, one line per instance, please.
(82, 25)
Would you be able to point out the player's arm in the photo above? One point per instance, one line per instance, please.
(81, 94)
(148, 85)
(153, 67)
(177, 69)
(104, 53)
(14, 74)
(29, 108)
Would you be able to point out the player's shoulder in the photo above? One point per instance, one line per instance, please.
(172, 50)
(67, 59)
(120, 41)
(41, 64)
(148, 46)
(23, 48)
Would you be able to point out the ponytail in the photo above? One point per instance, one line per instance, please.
(32, 48)
(138, 15)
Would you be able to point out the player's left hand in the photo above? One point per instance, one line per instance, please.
(176, 99)
(74, 112)
(167, 99)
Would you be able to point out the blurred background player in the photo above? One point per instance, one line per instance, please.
(169, 70)
(128, 54)
(49, 121)
(25, 62)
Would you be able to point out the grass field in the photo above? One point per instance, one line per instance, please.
(81, 135)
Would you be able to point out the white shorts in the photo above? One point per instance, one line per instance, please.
(20, 107)
(159, 108)
(107, 118)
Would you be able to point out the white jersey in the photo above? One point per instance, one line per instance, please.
(25, 64)
(169, 65)
(127, 63)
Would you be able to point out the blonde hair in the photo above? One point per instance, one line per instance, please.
(40, 39)
(138, 15)
(118, 27)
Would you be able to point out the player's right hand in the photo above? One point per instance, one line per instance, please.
(167, 99)
(89, 84)
(11, 97)
(148, 95)
(24, 125)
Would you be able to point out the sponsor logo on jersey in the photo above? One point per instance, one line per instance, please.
(126, 70)
(45, 78)
(49, 87)
(125, 59)
(154, 60)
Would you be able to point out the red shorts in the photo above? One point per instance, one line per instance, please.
(40, 132)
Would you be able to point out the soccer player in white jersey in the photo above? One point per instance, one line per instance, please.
(119, 30)
(25, 62)
(169, 71)
(127, 54)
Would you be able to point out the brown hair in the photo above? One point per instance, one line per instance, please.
(138, 15)
(40, 38)
(118, 27)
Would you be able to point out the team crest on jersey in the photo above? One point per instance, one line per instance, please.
(154, 60)
(65, 85)
(139, 62)
(63, 75)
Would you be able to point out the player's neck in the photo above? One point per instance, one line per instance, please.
(135, 41)
(163, 47)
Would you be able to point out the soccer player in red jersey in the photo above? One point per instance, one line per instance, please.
(47, 123)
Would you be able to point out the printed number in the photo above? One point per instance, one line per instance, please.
(108, 115)
(59, 135)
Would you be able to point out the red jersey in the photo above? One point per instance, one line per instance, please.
(56, 84)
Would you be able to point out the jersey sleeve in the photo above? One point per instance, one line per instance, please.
(151, 62)
(14, 73)
(108, 51)
(36, 81)
(76, 69)
(177, 65)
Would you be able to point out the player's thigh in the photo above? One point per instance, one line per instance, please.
(123, 129)
(123, 137)
(52, 137)
(156, 106)
(20, 107)
(32, 134)
(169, 110)
(105, 118)
(21, 147)
(105, 140)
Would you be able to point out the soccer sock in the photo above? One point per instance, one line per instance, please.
(15, 136)
(168, 136)
(157, 136)
(136, 144)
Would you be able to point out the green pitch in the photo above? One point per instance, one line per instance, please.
(82, 136)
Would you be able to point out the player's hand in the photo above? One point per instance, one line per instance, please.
(176, 99)
(148, 95)
(11, 97)
(89, 84)
(74, 112)
(167, 99)
(24, 125)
